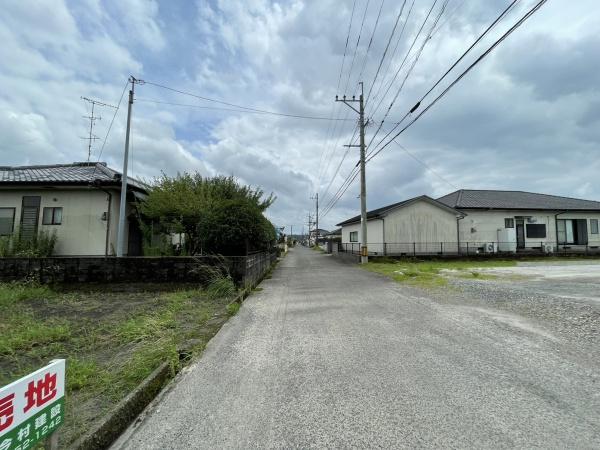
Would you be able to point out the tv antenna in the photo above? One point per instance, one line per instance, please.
(92, 137)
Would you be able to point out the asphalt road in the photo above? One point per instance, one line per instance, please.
(330, 356)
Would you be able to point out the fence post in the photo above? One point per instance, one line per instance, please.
(414, 249)
(384, 249)
(467, 248)
(442, 248)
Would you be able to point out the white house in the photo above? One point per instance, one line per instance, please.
(79, 201)
(473, 221)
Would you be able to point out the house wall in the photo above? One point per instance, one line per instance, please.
(482, 226)
(82, 231)
(374, 235)
(421, 223)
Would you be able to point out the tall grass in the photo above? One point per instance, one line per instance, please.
(41, 245)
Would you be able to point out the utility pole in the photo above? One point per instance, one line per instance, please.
(310, 223)
(123, 204)
(364, 254)
(92, 137)
(316, 197)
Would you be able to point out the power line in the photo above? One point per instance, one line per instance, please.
(481, 36)
(385, 51)
(414, 63)
(362, 23)
(110, 125)
(391, 58)
(532, 11)
(245, 108)
(295, 116)
(327, 154)
(371, 41)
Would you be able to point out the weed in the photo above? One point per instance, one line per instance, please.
(233, 308)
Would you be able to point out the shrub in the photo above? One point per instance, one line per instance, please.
(41, 245)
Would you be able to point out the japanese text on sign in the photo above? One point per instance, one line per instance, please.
(33, 407)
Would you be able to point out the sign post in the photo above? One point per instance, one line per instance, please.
(32, 408)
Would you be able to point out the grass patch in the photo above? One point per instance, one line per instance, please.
(428, 274)
(233, 308)
(112, 336)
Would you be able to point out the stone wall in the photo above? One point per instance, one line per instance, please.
(245, 270)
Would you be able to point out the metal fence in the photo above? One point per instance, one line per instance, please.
(468, 248)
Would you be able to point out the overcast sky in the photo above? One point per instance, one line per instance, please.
(526, 118)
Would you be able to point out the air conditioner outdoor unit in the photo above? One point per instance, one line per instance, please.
(547, 248)
(490, 247)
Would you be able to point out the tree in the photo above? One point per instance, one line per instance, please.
(216, 215)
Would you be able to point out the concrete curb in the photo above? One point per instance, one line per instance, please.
(116, 421)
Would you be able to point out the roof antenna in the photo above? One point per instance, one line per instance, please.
(92, 137)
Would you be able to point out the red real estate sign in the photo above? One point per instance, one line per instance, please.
(33, 407)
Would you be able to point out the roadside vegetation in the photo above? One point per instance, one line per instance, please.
(16, 244)
(213, 215)
(112, 336)
(430, 274)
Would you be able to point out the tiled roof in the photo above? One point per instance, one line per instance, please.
(482, 199)
(376, 213)
(79, 173)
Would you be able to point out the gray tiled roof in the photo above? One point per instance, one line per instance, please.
(376, 213)
(483, 199)
(79, 173)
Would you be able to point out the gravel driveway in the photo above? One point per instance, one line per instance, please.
(331, 356)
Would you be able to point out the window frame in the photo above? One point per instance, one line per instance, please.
(354, 234)
(533, 226)
(53, 220)
(509, 222)
(594, 225)
(12, 227)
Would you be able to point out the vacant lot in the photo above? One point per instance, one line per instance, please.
(555, 299)
(112, 336)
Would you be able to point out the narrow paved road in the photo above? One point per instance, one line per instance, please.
(331, 356)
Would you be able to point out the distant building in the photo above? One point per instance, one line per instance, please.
(79, 201)
(479, 221)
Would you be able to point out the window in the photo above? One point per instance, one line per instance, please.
(572, 231)
(354, 236)
(594, 226)
(52, 216)
(536, 230)
(509, 223)
(7, 220)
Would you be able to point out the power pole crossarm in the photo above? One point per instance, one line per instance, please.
(364, 253)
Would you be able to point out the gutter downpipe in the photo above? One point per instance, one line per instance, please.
(556, 227)
(458, 219)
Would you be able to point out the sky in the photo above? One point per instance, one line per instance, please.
(525, 118)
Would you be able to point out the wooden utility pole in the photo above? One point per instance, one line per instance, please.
(364, 254)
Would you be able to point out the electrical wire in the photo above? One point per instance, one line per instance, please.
(362, 23)
(385, 51)
(245, 108)
(110, 126)
(520, 22)
(327, 150)
(295, 116)
(414, 63)
(391, 58)
(501, 16)
(370, 41)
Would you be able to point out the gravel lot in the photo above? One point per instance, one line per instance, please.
(557, 300)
